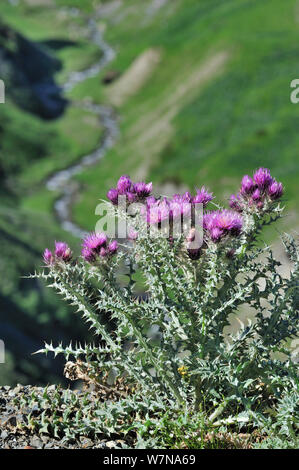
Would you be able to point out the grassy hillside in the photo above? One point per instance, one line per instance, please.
(191, 128)
(203, 96)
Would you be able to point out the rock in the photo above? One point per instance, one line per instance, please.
(36, 442)
(111, 445)
(2, 402)
(10, 421)
(4, 434)
(86, 443)
(49, 445)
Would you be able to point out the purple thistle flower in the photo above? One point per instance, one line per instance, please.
(63, 251)
(230, 221)
(103, 252)
(275, 190)
(180, 205)
(186, 197)
(263, 178)
(113, 247)
(143, 189)
(150, 201)
(220, 223)
(256, 196)
(124, 184)
(48, 256)
(95, 241)
(112, 195)
(132, 197)
(158, 211)
(247, 185)
(202, 196)
(88, 254)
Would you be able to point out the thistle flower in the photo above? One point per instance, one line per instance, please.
(132, 197)
(247, 185)
(113, 247)
(150, 201)
(48, 256)
(143, 189)
(112, 195)
(94, 242)
(256, 196)
(263, 178)
(229, 221)
(124, 184)
(202, 196)
(88, 254)
(221, 223)
(103, 252)
(180, 205)
(158, 211)
(63, 251)
(275, 190)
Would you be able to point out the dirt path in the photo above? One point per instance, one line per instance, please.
(135, 77)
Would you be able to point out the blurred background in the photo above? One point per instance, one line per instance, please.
(178, 92)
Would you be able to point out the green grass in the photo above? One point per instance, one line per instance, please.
(238, 120)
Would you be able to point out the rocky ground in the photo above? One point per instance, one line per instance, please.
(12, 436)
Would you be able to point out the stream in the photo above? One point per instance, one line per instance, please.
(62, 181)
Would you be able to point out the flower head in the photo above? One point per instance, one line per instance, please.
(124, 184)
(256, 196)
(222, 222)
(202, 196)
(95, 245)
(63, 251)
(95, 241)
(180, 205)
(275, 190)
(88, 254)
(112, 195)
(48, 256)
(247, 185)
(113, 247)
(143, 189)
(132, 197)
(157, 211)
(263, 178)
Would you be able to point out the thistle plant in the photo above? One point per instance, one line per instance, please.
(191, 293)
